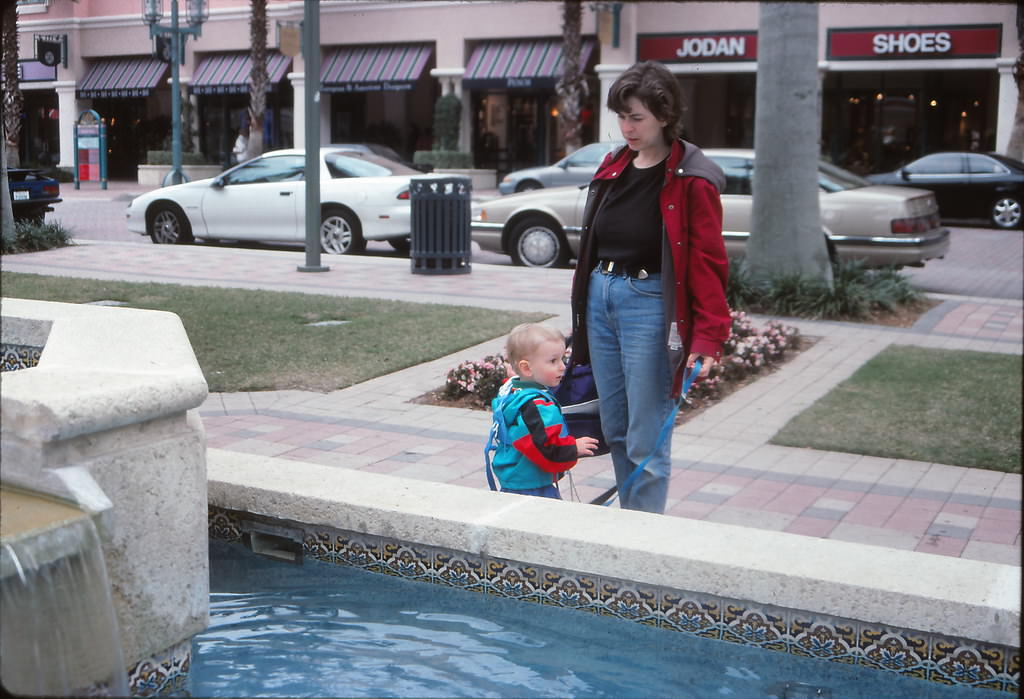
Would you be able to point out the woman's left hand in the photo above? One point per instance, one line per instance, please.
(706, 363)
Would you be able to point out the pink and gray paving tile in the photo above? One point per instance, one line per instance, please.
(725, 468)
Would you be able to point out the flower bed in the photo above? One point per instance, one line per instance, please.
(747, 352)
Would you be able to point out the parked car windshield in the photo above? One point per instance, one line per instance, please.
(833, 178)
(273, 168)
(352, 164)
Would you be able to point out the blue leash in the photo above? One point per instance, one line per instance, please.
(609, 496)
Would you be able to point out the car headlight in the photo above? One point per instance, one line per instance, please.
(507, 178)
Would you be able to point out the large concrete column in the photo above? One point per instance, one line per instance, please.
(607, 125)
(298, 109)
(67, 109)
(1009, 97)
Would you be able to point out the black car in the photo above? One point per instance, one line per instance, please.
(32, 194)
(967, 185)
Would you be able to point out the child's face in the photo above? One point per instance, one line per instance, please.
(545, 365)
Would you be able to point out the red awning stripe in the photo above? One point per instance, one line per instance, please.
(539, 59)
(227, 73)
(121, 77)
(397, 63)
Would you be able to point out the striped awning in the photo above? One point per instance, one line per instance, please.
(373, 68)
(526, 63)
(228, 73)
(121, 77)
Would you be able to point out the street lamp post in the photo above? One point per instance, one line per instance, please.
(197, 11)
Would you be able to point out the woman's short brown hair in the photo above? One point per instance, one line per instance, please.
(655, 86)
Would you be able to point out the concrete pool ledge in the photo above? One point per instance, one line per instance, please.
(936, 594)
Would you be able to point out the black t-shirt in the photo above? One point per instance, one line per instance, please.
(628, 225)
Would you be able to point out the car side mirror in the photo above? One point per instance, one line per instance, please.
(904, 174)
(218, 182)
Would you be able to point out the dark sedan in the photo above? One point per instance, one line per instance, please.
(32, 194)
(967, 185)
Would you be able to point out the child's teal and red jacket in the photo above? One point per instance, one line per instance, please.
(536, 446)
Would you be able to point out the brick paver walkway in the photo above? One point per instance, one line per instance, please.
(724, 468)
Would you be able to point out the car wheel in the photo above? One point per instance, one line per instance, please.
(537, 243)
(340, 233)
(402, 245)
(1006, 212)
(527, 185)
(168, 225)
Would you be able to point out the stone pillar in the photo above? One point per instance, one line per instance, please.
(607, 126)
(1009, 97)
(68, 110)
(298, 109)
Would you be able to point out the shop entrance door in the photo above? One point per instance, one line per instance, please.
(130, 134)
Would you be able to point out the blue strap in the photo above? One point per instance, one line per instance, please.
(666, 428)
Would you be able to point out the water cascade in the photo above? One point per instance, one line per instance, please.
(59, 635)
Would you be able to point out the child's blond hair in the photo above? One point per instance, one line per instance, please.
(526, 338)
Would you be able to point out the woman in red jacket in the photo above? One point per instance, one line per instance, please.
(648, 296)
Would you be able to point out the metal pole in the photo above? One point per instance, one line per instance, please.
(176, 39)
(311, 57)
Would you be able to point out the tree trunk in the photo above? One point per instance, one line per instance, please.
(6, 207)
(14, 103)
(258, 76)
(571, 86)
(786, 234)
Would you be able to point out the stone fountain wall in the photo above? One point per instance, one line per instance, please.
(103, 411)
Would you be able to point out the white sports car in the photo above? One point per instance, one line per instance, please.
(362, 197)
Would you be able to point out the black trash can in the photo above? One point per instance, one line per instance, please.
(440, 225)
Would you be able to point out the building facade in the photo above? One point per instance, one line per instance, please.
(897, 80)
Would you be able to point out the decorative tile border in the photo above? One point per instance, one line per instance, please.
(20, 357)
(930, 657)
(163, 674)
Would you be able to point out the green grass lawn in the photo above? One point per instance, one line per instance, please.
(260, 340)
(952, 407)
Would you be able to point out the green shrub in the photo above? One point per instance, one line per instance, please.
(28, 236)
(165, 157)
(856, 293)
(443, 159)
(447, 110)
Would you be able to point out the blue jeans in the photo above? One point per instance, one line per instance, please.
(626, 333)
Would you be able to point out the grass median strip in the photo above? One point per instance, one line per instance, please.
(945, 406)
(249, 340)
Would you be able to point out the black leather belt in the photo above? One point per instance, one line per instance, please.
(626, 270)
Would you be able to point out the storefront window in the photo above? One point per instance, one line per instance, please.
(876, 122)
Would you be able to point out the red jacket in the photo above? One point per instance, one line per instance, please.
(694, 266)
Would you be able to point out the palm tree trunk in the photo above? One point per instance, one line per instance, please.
(258, 76)
(571, 85)
(786, 235)
(13, 101)
(6, 207)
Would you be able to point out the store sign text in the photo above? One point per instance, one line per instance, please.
(689, 48)
(912, 42)
(383, 86)
(711, 48)
(975, 41)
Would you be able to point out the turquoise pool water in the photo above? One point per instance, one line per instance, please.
(323, 630)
